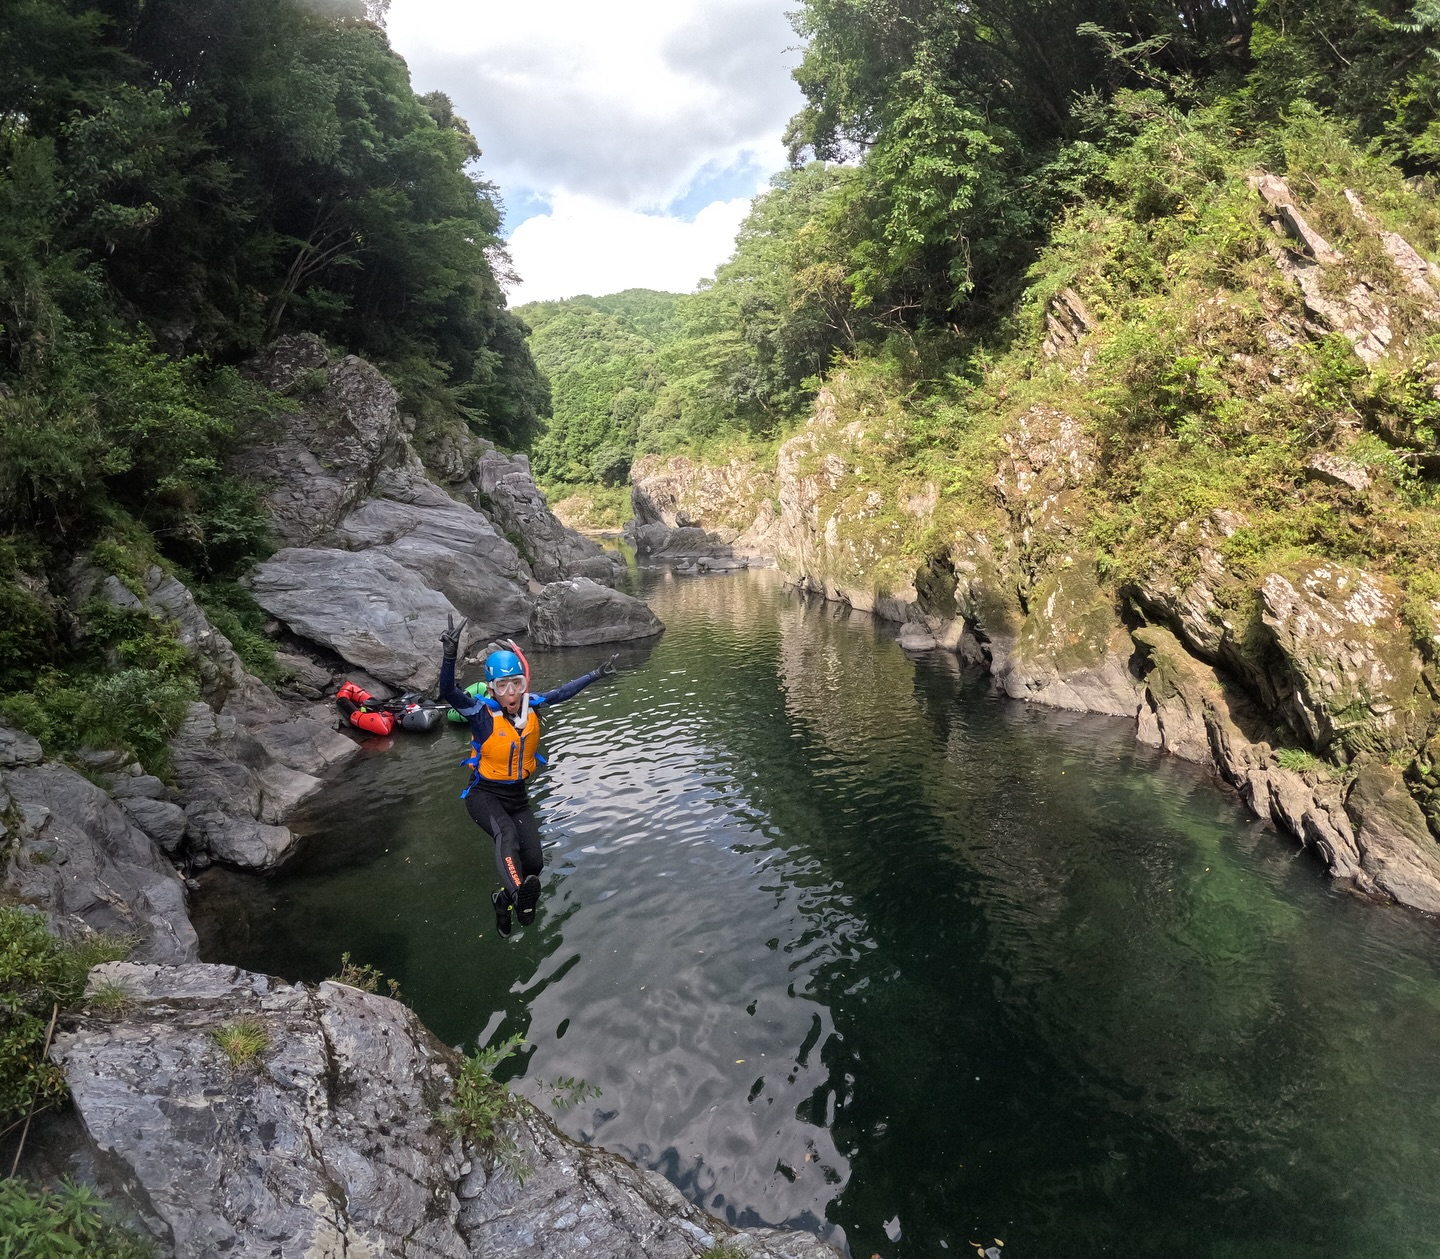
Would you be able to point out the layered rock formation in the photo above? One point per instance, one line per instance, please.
(671, 498)
(80, 857)
(554, 552)
(380, 555)
(330, 1141)
(1306, 684)
(242, 758)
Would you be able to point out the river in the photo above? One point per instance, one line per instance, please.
(849, 944)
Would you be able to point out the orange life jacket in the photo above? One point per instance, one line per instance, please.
(508, 755)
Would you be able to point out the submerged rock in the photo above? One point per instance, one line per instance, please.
(580, 612)
(328, 1141)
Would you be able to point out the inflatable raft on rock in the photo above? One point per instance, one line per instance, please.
(411, 711)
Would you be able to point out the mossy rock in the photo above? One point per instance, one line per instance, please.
(1351, 677)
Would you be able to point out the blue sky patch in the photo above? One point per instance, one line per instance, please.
(714, 182)
(521, 204)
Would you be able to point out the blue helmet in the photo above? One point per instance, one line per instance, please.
(503, 664)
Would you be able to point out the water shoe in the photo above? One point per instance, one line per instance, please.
(502, 912)
(528, 898)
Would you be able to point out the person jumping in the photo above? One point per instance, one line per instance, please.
(505, 753)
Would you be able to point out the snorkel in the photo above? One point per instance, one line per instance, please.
(524, 714)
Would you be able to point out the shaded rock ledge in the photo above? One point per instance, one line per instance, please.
(330, 1143)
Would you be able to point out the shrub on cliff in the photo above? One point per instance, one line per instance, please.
(38, 975)
(61, 1224)
(128, 686)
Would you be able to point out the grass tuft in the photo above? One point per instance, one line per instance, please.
(242, 1041)
(1298, 760)
(110, 998)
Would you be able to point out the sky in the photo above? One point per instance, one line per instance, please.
(626, 136)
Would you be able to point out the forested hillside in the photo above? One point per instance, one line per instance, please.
(942, 149)
(183, 182)
(180, 182)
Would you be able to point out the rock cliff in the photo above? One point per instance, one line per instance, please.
(379, 554)
(1308, 681)
(330, 1140)
(685, 509)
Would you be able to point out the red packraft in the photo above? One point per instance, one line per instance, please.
(356, 695)
(373, 723)
(352, 700)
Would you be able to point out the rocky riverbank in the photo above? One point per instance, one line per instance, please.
(331, 1141)
(1309, 684)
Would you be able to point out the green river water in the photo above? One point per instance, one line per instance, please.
(848, 944)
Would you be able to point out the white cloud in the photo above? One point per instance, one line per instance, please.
(621, 105)
(585, 245)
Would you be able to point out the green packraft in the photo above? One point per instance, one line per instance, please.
(475, 690)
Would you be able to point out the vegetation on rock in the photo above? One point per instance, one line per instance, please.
(61, 1223)
(38, 975)
(179, 184)
(242, 1041)
(480, 1101)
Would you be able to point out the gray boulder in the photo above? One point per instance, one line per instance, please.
(242, 755)
(305, 678)
(364, 606)
(162, 821)
(580, 612)
(1398, 854)
(238, 782)
(451, 548)
(18, 748)
(132, 786)
(519, 508)
(238, 841)
(77, 855)
(327, 1143)
(660, 541)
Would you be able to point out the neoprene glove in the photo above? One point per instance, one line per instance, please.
(608, 668)
(450, 639)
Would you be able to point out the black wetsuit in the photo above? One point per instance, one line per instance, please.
(502, 809)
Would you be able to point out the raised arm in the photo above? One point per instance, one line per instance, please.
(570, 689)
(449, 690)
